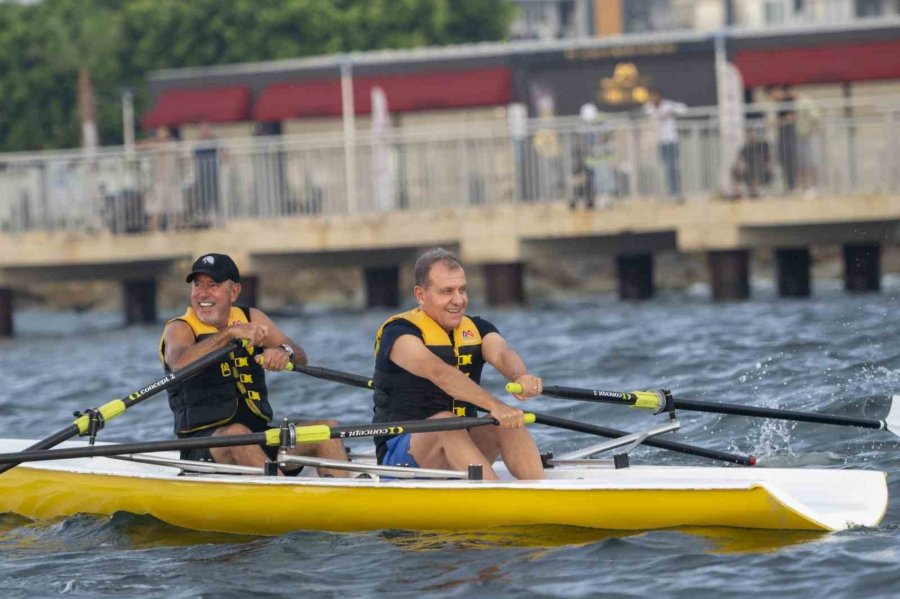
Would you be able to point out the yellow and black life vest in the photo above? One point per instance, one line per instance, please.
(400, 395)
(210, 399)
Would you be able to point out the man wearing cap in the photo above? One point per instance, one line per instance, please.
(229, 398)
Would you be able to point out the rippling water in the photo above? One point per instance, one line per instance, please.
(834, 353)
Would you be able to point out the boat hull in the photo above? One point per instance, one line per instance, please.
(636, 498)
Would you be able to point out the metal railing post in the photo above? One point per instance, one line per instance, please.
(349, 134)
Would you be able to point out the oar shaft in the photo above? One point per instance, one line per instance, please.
(599, 395)
(332, 375)
(648, 400)
(176, 377)
(612, 433)
(315, 433)
(126, 448)
(412, 426)
(724, 408)
(115, 407)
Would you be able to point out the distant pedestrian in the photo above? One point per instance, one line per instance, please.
(809, 140)
(207, 158)
(753, 168)
(786, 123)
(164, 205)
(663, 112)
(594, 172)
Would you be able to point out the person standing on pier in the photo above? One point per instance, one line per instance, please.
(663, 113)
(230, 398)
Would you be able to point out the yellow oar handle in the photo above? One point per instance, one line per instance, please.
(108, 411)
(530, 418)
(515, 388)
(290, 365)
(648, 400)
(312, 433)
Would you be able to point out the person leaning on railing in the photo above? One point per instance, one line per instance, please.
(663, 112)
(753, 168)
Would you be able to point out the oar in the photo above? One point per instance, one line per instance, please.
(332, 375)
(313, 433)
(114, 408)
(890, 423)
(651, 400)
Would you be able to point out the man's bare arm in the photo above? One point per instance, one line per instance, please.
(410, 354)
(181, 350)
(498, 354)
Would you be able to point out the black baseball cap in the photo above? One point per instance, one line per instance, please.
(219, 267)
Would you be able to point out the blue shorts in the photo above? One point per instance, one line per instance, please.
(398, 452)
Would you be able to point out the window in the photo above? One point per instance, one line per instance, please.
(648, 15)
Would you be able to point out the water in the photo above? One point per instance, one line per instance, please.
(834, 353)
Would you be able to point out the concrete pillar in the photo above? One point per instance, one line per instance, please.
(503, 284)
(6, 312)
(635, 276)
(793, 272)
(382, 287)
(249, 291)
(139, 299)
(729, 274)
(862, 267)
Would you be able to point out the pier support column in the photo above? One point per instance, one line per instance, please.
(862, 267)
(793, 272)
(249, 291)
(503, 284)
(6, 312)
(382, 287)
(635, 275)
(139, 300)
(729, 274)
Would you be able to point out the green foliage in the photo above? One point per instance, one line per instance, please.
(44, 44)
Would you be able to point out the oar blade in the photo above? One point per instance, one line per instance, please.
(892, 422)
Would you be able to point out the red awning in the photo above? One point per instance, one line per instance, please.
(308, 98)
(212, 104)
(416, 91)
(821, 64)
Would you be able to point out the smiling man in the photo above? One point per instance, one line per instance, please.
(428, 364)
(229, 398)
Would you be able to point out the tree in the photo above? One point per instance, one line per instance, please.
(83, 38)
(59, 55)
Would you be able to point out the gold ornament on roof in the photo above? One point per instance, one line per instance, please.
(626, 86)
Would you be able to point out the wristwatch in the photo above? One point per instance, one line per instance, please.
(290, 350)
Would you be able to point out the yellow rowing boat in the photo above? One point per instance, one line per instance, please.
(598, 496)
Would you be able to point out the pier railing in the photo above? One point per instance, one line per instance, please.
(769, 150)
